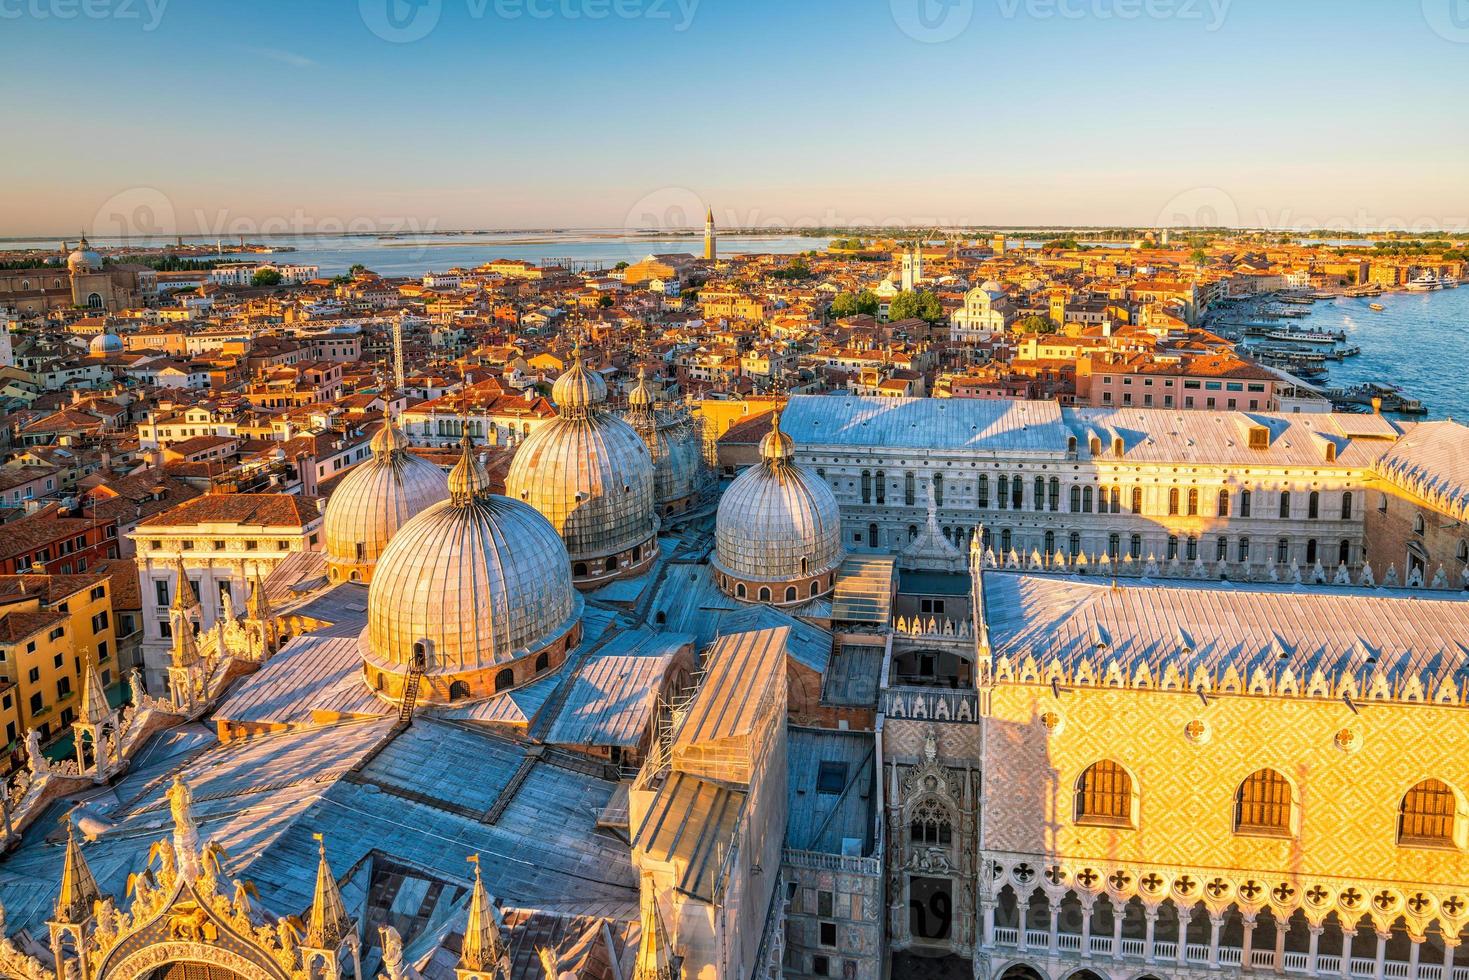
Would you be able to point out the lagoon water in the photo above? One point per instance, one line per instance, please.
(1419, 342)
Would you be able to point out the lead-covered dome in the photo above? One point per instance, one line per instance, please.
(590, 474)
(778, 535)
(83, 259)
(673, 445)
(479, 586)
(374, 500)
(105, 343)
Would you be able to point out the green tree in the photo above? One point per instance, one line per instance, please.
(1198, 256)
(604, 301)
(915, 303)
(847, 304)
(265, 277)
(619, 266)
(357, 268)
(1036, 324)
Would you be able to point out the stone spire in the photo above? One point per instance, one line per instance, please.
(328, 924)
(483, 950)
(78, 888)
(95, 708)
(184, 601)
(655, 952)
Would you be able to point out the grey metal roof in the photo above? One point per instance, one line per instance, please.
(820, 821)
(687, 824)
(1009, 426)
(612, 698)
(314, 672)
(1343, 633)
(864, 590)
(852, 677)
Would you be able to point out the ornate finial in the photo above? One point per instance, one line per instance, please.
(328, 924)
(655, 952)
(388, 440)
(184, 600)
(776, 447)
(483, 949)
(78, 888)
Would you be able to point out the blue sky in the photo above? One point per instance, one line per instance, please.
(212, 116)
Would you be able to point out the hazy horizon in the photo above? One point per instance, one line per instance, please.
(217, 120)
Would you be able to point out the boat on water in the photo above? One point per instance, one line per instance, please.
(1376, 307)
(1305, 336)
(1426, 283)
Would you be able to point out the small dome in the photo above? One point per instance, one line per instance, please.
(578, 388)
(778, 523)
(83, 259)
(479, 580)
(106, 343)
(641, 396)
(991, 287)
(374, 500)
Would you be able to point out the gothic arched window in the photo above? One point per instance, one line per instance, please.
(1263, 804)
(1429, 815)
(1104, 795)
(931, 825)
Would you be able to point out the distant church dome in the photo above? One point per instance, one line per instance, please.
(778, 534)
(673, 445)
(106, 342)
(83, 259)
(374, 500)
(590, 474)
(479, 586)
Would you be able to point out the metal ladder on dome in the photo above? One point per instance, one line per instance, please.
(410, 691)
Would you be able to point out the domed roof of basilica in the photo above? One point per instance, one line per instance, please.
(587, 471)
(479, 579)
(106, 342)
(376, 498)
(672, 443)
(83, 259)
(778, 520)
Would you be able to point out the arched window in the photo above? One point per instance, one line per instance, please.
(1053, 495)
(1005, 541)
(1104, 795)
(1172, 547)
(1193, 502)
(1135, 547)
(1223, 503)
(1263, 804)
(504, 679)
(1285, 503)
(1244, 503)
(1017, 493)
(1071, 445)
(1418, 524)
(544, 659)
(1282, 551)
(1094, 446)
(1172, 501)
(1076, 500)
(912, 532)
(1463, 552)
(1073, 543)
(984, 490)
(1086, 500)
(1310, 551)
(1137, 500)
(931, 825)
(94, 301)
(790, 593)
(1050, 543)
(1221, 549)
(458, 691)
(764, 593)
(1191, 548)
(1118, 446)
(1313, 505)
(1114, 546)
(908, 489)
(740, 590)
(1344, 552)
(882, 490)
(813, 586)
(872, 535)
(867, 486)
(1346, 506)
(579, 569)
(1429, 816)
(1116, 494)
(1003, 497)
(1040, 493)
(1244, 549)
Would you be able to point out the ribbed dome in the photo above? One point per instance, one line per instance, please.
(672, 444)
(591, 476)
(482, 579)
(778, 521)
(106, 343)
(641, 396)
(375, 499)
(83, 259)
(578, 388)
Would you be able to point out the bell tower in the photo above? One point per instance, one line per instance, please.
(709, 246)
